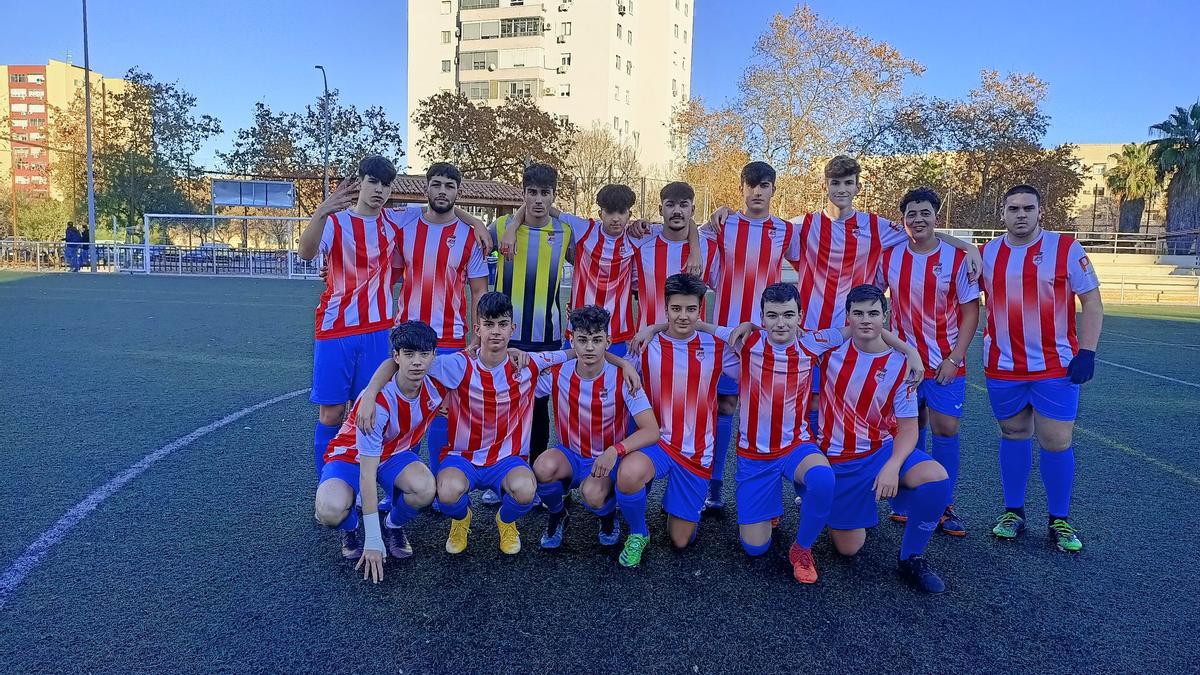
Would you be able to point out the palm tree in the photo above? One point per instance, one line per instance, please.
(1177, 154)
(1133, 179)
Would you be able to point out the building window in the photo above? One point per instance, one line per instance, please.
(626, 126)
(37, 108)
(20, 108)
(1097, 169)
(617, 93)
(17, 93)
(477, 91)
(629, 7)
(480, 4)
(566, 59)
(676, 30)
(685, 63)
(522, 27)
(20, 124)
(685, 37)
(516, 3)
(520, 58)
(629, 36)
(445, 37)
(683, 92)
(637, 138)
(629, 67)
(619, 36)
(627, 97)
(37, 122)
(685, 9)
(616, 124)
(478, 60)
(445, 7)
(674, 87)
(519, 88)
(445, 65)
(18, 77)
(618, 61)
(564, 90)
(37, 79)
(566, 28)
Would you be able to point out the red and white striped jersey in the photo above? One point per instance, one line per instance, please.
(1029, 292)
(752, 255)
(862, 396)
(437, 261)
(775, 389)
(680, 377)
(928, 291)
(400, 423)
(603, 274)
(591, 415)
(837, 256)
(658, 258)
(358, 283)
(491, 409)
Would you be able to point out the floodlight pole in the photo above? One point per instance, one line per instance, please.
(325, 108)
(87, 106)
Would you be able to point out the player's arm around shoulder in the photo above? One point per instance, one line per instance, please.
(364, 418)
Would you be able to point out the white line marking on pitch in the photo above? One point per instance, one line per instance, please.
(23, 565)
(1146, 372)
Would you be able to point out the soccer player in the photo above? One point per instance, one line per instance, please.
(681, 369)
(1033, 361)
(935, 306)
(356, 310)
(752, 245)
(358, 460)
(868, 431)
(670, 251)
(441, 254)
(592, 410)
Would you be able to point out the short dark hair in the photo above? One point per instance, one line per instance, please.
(780, 292)
(445, 170)
(494, 305)
(378, 167)
(677, 191)
(866, 293)
(757, 172)
(921, 194)
(540, 175)
(590, 319)
(616, 198)
(842, 166)
(413, 335)
(684, 284)
(1023, 189)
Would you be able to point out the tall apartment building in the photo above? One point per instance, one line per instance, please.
(28, 96)
(624, 64)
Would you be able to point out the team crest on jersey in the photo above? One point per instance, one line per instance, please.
(880, 374)
(451, 240)
(1085, 264)
(700, 354)
(550, 237)
(604, 392)
(937, 268)
(431, 404)
(1037, 258)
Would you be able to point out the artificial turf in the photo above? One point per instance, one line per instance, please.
(211, 560)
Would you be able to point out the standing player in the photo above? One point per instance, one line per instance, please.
(1033, 361)
(752, 245)
(670, 252)
(935, 306)
(869, 433)
(440, 256)
(681, 369)
(592, 410)
(357, 458)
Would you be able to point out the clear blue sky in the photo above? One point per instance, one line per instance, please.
(1114, 67)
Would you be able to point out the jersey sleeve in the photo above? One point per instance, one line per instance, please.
(712, 272)
(477, 267)
(1080, 273)
(636, 403)
(545, 383)
(968, 291)
(904, 402)
(370, 443)
(793, 247)
(449, 369)
(818, 342)
(891, 233)
(327, 235)
(542, 360)
(406, 215)
(579, 226)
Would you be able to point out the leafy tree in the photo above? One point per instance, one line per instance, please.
(1177, 155)
(1133, 179)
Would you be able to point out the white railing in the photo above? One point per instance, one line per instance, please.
(1158, 243)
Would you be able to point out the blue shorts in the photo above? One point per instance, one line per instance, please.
(343, 366)
(617, 349)
(685, 492)
(386, 475)
(816, 378)
(1056, 398)
(727, 386)
(484, 477)
(759, 498)
(853, 491)
(581, 470)
(945, 398)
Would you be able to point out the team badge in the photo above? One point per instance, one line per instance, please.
(895, 226)
(451, 240)
(604, 392)
(1037, 258)
(431, 404)
(550, 238)
(880, 374)
(1085, 264)
(937, 268)
(700, 354)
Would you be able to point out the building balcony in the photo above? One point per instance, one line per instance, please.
(503, 11)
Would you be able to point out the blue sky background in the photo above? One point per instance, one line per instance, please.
(1114, 68)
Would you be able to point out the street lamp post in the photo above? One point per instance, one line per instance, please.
(87, 106)
(325, 108)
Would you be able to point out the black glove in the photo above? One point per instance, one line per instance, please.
(1082, 367)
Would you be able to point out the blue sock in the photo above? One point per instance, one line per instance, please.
(1058, 474)
(922, 433)
(607, 507)
(946, 453)
(925, 507)
(552, 495)
(633, 508)
(1016, 459)
(436, 438)
(813, 418)
(511, 509)
(350, 522)
(321, 437)
(400, 514)
(457, 510)
(814, 508)
(721, 448)
(752, 550)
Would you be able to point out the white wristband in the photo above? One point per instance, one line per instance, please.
(374, 538)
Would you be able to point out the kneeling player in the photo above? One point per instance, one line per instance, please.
(357, 460)
(680, 368)
(592, 410)
(869, 431)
